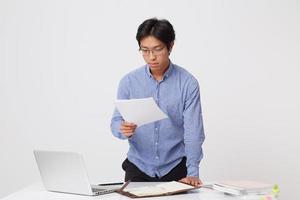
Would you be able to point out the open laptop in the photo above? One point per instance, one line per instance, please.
(66, 172)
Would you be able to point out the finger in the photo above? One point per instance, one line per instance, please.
(125, 128)
(182, 180)
(127, 132)
(128, 124)
(200, 182)
(197, 182)
(194, 182)
(128, 127)
(187, 181)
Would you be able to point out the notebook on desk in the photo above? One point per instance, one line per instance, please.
(66, 172)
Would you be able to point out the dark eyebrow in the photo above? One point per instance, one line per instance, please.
(157, 46)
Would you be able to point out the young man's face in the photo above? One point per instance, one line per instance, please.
(155, 54)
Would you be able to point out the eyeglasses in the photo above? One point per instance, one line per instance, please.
(155, 52)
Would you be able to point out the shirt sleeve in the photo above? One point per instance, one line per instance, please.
(123, 93)
(193, 128)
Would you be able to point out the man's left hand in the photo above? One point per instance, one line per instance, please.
(191, 180)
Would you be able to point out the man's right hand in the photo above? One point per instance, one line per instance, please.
(127, 128)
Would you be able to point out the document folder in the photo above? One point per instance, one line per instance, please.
(161, 189)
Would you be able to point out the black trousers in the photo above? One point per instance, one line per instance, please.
(133, 173)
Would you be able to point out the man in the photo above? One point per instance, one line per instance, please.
(169, 149)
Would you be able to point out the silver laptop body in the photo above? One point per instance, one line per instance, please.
(66, 172)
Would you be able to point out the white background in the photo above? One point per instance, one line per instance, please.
(60, 63)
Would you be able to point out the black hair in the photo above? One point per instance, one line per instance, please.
(161, 29)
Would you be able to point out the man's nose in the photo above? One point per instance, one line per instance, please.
(151, 55)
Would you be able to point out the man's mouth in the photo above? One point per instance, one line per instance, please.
(153, 64)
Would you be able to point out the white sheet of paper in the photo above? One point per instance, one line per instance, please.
(140, 111)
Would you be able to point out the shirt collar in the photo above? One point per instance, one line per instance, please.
(167, 73)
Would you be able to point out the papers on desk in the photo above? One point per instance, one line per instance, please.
(140, 111)
(243, 187)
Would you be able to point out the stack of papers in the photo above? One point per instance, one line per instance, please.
(243, 187)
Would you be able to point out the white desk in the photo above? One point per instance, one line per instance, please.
(37, 192)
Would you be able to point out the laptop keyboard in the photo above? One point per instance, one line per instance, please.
(98, 189)
(102, 191)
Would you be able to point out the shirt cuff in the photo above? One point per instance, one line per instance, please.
(193, 171)
(123, 137)
(115, 128)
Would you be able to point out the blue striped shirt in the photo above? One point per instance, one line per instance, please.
(156, 148)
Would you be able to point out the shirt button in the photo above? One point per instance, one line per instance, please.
(156, 157)
(156, 143)
(156, 129)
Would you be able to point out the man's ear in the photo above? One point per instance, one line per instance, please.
(171, 46)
